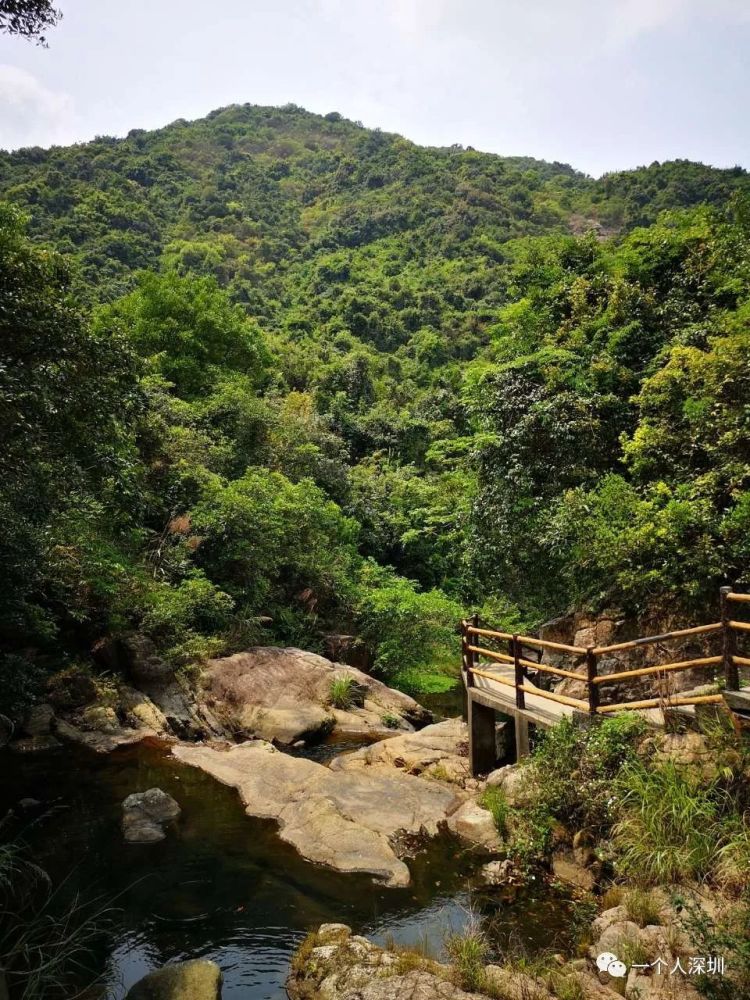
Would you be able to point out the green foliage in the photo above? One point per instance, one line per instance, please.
(348, 384)
(729, 936)
(469, 952)
(407, 627)
(574, 768)
(668, 826)
(493, 799)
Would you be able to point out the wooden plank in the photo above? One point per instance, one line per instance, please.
(741, 661)
(737, 597)
(740, 626)
(658, 668)
(647, 640)
(666, 703)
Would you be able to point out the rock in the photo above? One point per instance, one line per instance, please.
(284, 695)
(71, 688)
(39, 721)
(98, 741)
(145, 814)
(141, 712)
(515, 782)
(514, 984)
(613, 937)
(100, 719)
(143, 663)
(615, 915)
(439, 751)
(28, 805)
(688, 750)
(565, 868)
(347, 820)
(475, 824)
(501, 873)
(196, 980)
(337, 965)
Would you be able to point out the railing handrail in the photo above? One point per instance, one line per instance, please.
(592, 679)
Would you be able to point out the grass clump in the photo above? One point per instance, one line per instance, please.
(341, 692)
(494, 800)
(667, 831)
(643, 907)
(469, 952)
(390, 721)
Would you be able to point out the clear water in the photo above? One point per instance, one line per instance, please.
(222, 885)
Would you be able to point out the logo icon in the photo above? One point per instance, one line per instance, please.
(609, 962)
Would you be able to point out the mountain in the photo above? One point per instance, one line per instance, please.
(352, 384)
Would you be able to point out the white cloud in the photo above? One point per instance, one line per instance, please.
(30, 113)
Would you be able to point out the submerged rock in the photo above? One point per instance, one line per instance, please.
(348, 820)
(284, 695)
(145, 814)
(196, 980)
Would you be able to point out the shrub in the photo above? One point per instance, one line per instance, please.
(469, 952)
(643, 907)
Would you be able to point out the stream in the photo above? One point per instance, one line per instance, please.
(223, 886)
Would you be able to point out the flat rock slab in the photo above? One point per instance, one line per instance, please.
(347, 820)
(196, 980)
(439, 751)
(284, 695)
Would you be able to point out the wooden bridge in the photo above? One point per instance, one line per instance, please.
(511, 682)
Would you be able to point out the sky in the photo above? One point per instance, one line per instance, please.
(601, 84)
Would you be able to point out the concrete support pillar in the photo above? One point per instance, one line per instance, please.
(482, 746)
(522, 737)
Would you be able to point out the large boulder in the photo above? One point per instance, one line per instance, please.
(284, 695)
(145, 814)
(348, 820)
(196, 980)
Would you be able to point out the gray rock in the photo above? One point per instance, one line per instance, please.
(39, 721)
(567, 869)
(145, 814)
(143, 662)
(196, 980)
(473, 823)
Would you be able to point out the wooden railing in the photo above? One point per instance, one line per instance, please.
(472, 634)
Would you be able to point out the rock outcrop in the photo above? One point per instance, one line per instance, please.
(337, 965)
(284, 695)
(145, 814)
(196, 980)
(348, 820)
(439, 751)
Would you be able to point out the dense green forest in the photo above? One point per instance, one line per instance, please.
(269, 375)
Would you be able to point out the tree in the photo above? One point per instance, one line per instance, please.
(28, 18)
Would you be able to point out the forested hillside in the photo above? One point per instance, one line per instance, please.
(269, 376)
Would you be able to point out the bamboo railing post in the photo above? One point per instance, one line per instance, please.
(729, 644)
(519, 672)
(591, 673)
(474, 657)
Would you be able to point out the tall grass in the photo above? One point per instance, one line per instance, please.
(48, 940)
(669, 823)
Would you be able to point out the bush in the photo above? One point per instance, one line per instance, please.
(494, 800)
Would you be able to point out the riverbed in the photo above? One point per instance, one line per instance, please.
(223, 886)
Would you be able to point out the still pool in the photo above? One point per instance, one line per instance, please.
(223, 886)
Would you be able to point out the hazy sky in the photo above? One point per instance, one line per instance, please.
(601, 84)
